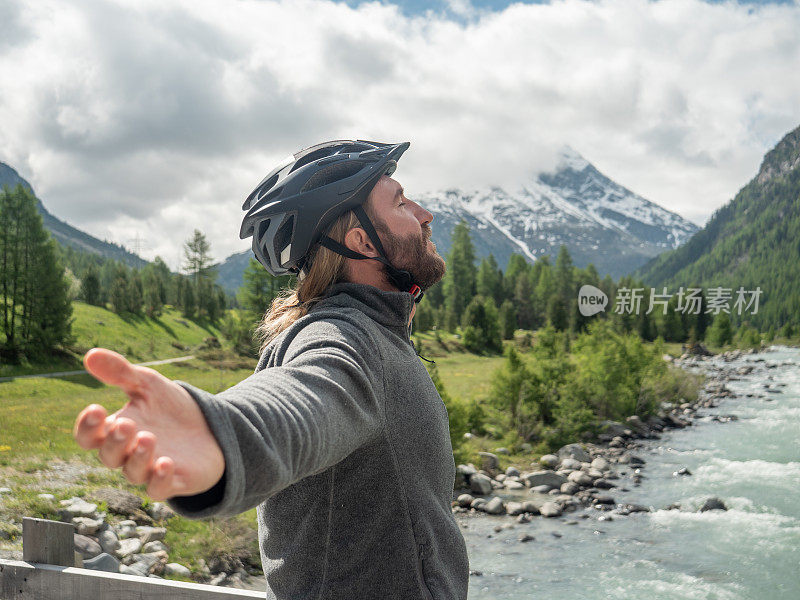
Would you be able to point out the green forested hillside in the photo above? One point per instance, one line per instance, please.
(753, 241)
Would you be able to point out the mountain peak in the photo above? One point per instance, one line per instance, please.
(569, 159)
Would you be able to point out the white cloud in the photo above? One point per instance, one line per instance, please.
(158, 117)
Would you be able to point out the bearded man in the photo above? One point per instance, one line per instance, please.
(339, 437)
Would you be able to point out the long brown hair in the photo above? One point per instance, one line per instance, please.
(327, 268)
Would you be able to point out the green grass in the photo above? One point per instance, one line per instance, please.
(38, 414)
(139, 339)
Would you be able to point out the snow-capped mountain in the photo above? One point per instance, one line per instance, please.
(598, 220)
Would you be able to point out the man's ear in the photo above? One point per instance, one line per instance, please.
(358, 241)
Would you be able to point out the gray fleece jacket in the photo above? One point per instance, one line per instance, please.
(341, 440)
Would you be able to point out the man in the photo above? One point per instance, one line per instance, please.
(339, 437)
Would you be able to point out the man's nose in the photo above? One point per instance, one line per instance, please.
(423, 216)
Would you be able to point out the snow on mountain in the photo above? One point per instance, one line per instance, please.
(598, 220)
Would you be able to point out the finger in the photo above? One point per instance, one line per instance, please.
(138, 466)
(90, 431)
(112, 368)
(116, 445)
(162, 485)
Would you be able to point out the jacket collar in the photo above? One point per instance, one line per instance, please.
(391, 309)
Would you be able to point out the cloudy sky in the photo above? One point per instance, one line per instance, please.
(155, 117)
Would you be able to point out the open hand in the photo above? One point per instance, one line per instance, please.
(159, 438)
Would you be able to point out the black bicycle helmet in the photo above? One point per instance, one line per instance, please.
(296, 203)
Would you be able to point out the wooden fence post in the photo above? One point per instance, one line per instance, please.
(47, 542)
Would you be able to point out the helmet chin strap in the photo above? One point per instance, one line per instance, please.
(399, 278)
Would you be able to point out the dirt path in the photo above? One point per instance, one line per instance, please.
(81, 372)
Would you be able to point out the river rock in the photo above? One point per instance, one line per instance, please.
(86, 526)
(77, 507)
(160, 511)
(613, 428)
(157, 546)
(176, 569)
(129, 546)
(102, 562)
(86, 546)
(48, 497)
(510, 484)
(501, 451)
(550, 509)
(465, 500)
(635, 423)
(549, 461)
(575, 451)
(593, 473)
(126, 529)
(501, 477)
(108, 541)
(150, 534)
(601, 464)
(543, 478)
(531, 506)
(541, 489)
(480, 484)
(682, 471)
(119, 502)
(478, 503)
(526, 537)
(580, 478)
(570, 487)
(603, 484)
(604, 500)
(512, 472)
(489, 461)
(494, 506)
(571, 464)
(514, 508)
(713, 503)
(154, 561)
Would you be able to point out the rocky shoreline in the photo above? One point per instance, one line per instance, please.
(582, 477)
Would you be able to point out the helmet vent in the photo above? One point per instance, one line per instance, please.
(310, 157)
(332, 173)
(283, 237)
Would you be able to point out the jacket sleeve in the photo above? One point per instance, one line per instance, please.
(287, 422)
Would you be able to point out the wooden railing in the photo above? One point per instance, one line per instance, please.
(46, 572)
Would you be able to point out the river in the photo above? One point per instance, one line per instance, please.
(749, 552)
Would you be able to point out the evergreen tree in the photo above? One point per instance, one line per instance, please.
(258, 290)
(459, 282)
(189, 301)
(480, 326)
(721, 332)
(508, 320)
(523, 300)
(120, 294)
(489, 280)
(36, 309)
(90, 287)
(135, 294)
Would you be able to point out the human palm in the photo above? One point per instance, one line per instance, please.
(159, 438)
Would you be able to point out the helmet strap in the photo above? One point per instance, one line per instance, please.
(400, 278)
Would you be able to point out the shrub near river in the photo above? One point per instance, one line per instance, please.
(562, 390)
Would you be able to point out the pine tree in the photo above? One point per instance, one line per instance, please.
(508, 320)
(489, 280)
(459, 282)
(33, 288)
(90, 287)
(258, 290)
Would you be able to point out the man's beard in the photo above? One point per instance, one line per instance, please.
(411, 254)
